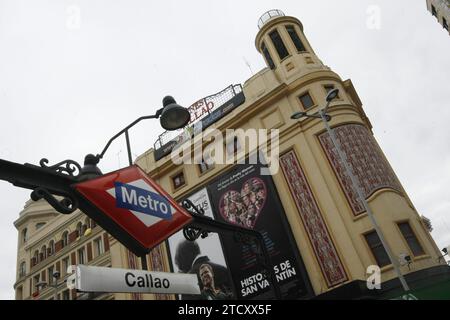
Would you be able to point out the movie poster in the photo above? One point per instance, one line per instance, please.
(203, 257)
(245, 198)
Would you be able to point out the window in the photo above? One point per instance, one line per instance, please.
(295, 39)
(36, 257)
(65, 265)
(206, 164)
(35, 282)
(65, 239)
(81, 256)
(178, 180)
(267, 56)
(50, 275)
(40, 225)
(98, 247)
(22, 269)
(51, 247)
(411, 239)
(279, 45)
(79, 229)
(444, 23)
(24, 235)
(377, 249)
(433, 11)
(19, 293)
(43, 253)
(65, 295)
(233, 146)
(329, 87)
(306, 100)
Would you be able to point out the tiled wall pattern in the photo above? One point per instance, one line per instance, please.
(365, 159)
(318, 234)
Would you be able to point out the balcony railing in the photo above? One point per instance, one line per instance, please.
(268, 16)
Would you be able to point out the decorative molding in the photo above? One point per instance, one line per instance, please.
(324, 248)
(366, 161)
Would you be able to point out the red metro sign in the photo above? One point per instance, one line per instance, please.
(133, 208)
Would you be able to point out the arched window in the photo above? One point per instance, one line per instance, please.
(43, 254)
(278, 44)
(22, 269)
(24, 235)
(36, 256)
(51, 247)
(65, 238)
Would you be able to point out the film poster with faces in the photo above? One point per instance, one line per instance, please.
(245, 198)
(186, 259)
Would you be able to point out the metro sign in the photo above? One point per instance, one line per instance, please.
(133, 208)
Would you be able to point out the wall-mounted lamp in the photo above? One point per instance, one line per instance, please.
(445, 251)
(405, 259)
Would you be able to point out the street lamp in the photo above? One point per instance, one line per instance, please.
(172, 116)
(322, 114)
(52, 284)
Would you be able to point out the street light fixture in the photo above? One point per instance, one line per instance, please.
(52, 284)
(322, 114)
(172, 117)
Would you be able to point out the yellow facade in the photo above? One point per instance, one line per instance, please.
(271, 97)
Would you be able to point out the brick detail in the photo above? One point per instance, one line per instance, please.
(366, 161)
(73, 236)
(58, 246)
(318, 234)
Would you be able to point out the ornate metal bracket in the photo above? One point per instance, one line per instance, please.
(67, 167)
(66, 206)
(193, 233)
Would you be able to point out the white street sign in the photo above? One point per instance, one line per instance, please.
(101, 279)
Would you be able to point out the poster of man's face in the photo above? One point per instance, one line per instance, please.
(189, 256)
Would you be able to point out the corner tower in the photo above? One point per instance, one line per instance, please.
(284, 46)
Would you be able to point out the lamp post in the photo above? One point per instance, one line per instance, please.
(54, 285)
(322, 114)
(172, 117)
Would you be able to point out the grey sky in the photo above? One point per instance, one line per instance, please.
(67, 84)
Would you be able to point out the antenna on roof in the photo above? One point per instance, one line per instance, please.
(248, 65)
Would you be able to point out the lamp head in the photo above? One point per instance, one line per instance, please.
(298, 115)
(332, 95)
(445, 250)
(90, 169)
(56, 274)
(173, 116)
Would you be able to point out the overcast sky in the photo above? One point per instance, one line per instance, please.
(73, 73)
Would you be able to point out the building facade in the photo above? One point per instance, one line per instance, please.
(441, 10)
(314, 226)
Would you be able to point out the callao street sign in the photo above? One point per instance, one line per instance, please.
(135, 210)
(101, 279)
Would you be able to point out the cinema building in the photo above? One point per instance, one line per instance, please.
(319, 236)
